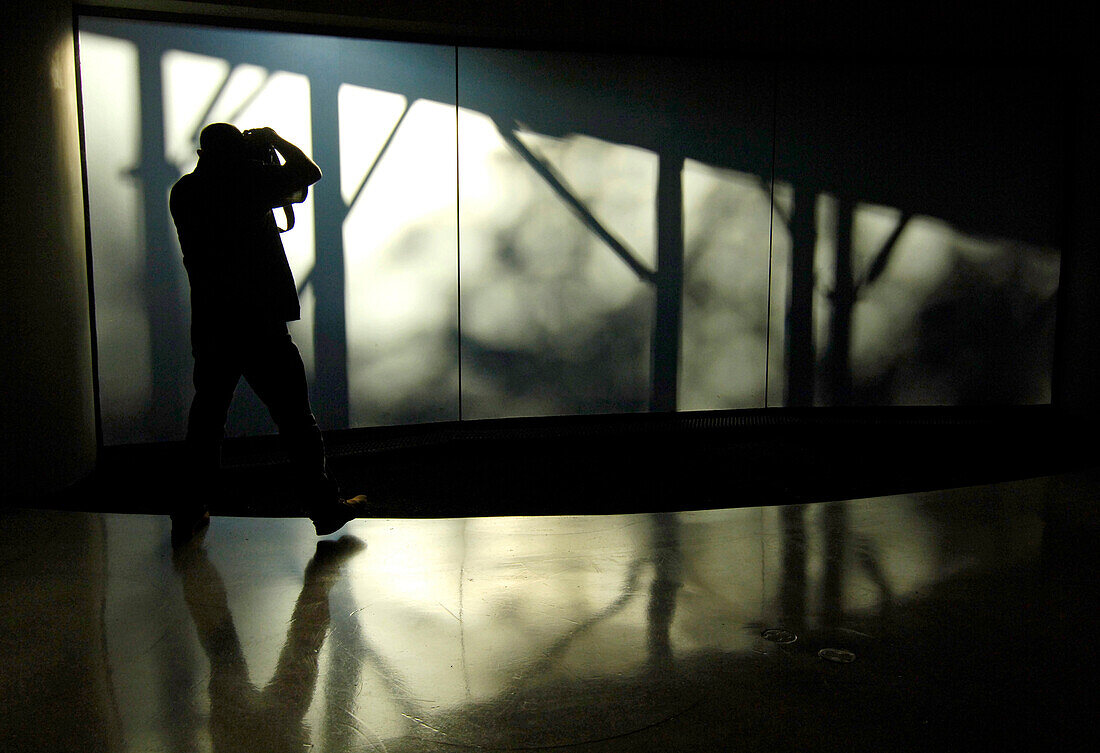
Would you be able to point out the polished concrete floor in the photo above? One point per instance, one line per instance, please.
(949, 620)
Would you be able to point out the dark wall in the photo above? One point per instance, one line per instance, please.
(47, 425)
(757, 27)
(1078, 360)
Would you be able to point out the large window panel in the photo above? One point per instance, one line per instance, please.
(557, 239)
(614, 233)
(112, 136)
(400, 237)
(727, 319)
(374, 247)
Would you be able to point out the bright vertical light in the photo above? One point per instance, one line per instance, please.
(190, 84)
(400, 254)
(112, 135)
(725, 315)
(368, 117)
(283, 104)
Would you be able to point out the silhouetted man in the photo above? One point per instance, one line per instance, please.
(242, 296)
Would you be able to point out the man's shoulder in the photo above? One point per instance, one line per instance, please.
(183, 186)
(238, 182)
(197, 188)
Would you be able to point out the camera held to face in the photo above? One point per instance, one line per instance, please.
(258, 147)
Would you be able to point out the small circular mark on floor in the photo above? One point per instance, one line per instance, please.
(779, 635)
(838, 655)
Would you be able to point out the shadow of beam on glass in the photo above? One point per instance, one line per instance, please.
(799, 352)
(836, 374)
(374, 163)
(557, 184)
(552, 323)
(200, 90)
(666, 278)
(164, 274)
(913, 312)
(664, 359)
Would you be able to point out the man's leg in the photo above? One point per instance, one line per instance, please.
(234, 701)
(215, 378)
(274, 369)
(290, 690)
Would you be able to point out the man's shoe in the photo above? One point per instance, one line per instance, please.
(331, 556)
(187, 523)
(331, 518)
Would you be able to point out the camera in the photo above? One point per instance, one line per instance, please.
(258, 148)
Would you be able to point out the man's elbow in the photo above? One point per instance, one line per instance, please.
(301, 173)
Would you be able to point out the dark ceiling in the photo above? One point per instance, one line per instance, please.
(838, 29)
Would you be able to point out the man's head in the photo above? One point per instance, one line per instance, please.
(221, 141)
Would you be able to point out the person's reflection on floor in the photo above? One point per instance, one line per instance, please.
(668, 564)
(792, 585)
(243, 717)
(834, 524)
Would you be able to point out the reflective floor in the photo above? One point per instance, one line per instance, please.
(947, 620)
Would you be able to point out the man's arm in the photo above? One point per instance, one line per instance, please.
(297, 174)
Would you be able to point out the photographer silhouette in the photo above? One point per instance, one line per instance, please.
(242, 296)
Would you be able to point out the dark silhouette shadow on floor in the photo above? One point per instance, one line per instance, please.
(243, 717)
